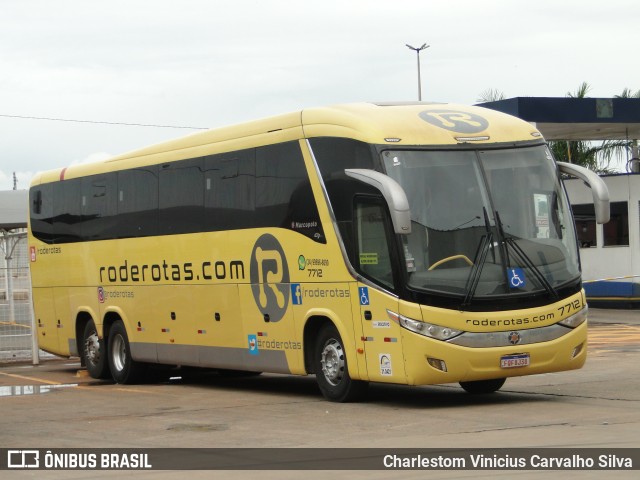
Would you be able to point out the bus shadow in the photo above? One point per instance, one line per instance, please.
(305, 388)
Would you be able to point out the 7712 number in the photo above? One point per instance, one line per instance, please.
(570, 307)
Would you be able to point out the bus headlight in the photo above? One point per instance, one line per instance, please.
(423, 328)
(576, 319)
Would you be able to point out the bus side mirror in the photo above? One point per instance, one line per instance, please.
(599, 189)
(392, 192)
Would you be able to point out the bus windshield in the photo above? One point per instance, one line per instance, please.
(485, 223)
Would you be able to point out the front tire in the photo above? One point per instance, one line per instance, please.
(94, 352)
(124, 369)
(332, 373)
(483, 386)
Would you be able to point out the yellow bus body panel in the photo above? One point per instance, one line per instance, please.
(189, 300)
(469, 364)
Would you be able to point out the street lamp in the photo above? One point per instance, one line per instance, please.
(418, 50)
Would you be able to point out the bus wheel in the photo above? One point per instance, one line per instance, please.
(94, 352)
(483, 386)
(123, 368)
(331, 370)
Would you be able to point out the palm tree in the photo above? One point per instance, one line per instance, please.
(491, 95)
(581, 92)
(626, 93)
(592, 155)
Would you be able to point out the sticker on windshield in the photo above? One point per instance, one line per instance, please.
(369, 259)
(516, 278)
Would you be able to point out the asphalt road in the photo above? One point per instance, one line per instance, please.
(57, 405)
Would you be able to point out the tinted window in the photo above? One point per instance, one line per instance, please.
(283, 194)
(264, 187)
(67, 215)
(333, 155)
(585, 218)
(181, 199)
(137, 202)
(229, 195)
(616, 231)
(373, 257)
(41, 206)
(99, 206)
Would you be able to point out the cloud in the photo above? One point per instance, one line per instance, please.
(24, 177)
(203, 63)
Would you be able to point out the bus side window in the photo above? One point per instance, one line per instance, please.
(181, 198)
(373, 254)
(229, 190)
(67, 215)
(283, 193)
(99, 206)
(42, 212)
(137, 202)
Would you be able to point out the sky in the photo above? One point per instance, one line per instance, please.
(211, 63)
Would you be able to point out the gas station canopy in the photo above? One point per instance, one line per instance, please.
(562, 118)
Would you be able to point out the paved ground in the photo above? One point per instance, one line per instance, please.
(56, 405)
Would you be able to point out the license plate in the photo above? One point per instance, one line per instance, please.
(513, 361)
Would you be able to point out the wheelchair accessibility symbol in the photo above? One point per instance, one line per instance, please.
(363, 293)
(516, 278)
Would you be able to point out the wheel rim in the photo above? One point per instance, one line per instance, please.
(118, 352)
(92, 348)
(332, 361)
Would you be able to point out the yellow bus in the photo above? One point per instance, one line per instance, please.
(410, 244)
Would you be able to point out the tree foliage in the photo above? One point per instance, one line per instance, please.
(596, 156)
(491, 95)
(627, 93)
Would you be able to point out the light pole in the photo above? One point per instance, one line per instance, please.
(418, 50)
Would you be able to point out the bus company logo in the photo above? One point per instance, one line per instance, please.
(514, 338)
(455, 121)
(101, 294)
(269, 275)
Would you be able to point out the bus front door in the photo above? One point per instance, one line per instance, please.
(381, 336)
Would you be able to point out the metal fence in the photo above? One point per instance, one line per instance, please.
(17, 341)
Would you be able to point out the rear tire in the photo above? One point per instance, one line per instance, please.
(332, 373)
(124, 369)
(483, 386)
(94, 352)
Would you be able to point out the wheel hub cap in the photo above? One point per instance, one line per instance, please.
(332, 361)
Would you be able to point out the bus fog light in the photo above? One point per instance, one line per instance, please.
(437, 364)
(577, 350)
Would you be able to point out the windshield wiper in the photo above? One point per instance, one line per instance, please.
(525, 259)
(479, 261)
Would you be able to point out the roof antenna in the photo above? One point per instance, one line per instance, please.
(15, 181)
